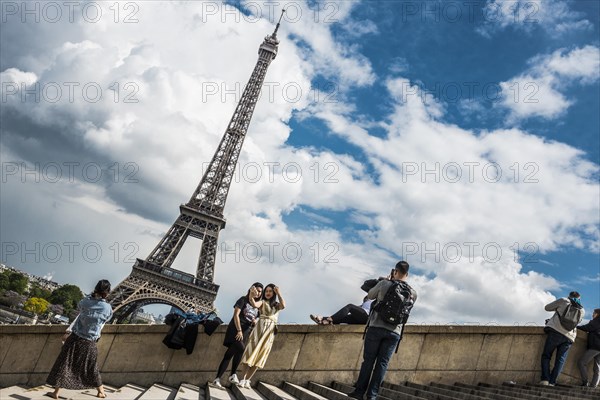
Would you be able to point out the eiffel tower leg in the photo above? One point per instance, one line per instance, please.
(165, 252)
(206, 262)
(122, 314)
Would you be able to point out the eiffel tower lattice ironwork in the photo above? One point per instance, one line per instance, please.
(153, 280)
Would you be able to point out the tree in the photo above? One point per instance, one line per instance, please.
(36, 305)
(4, 281)
(37, 291)
(17, 282)
(67, 296)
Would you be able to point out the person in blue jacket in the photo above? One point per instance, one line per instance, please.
(76, 367)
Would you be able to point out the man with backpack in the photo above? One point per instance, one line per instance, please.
(389, 313)
(561, 331)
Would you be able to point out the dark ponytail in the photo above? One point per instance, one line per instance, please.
(102, 289)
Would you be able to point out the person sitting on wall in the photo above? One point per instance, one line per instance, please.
(349, 314)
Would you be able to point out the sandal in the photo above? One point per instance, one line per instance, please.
(318, 319)
(326, 321)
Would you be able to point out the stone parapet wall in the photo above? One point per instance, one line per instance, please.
(301, 353)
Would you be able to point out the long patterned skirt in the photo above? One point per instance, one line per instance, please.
(76, 367)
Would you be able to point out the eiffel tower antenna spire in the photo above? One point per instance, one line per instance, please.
(278, 23)
(153, 280)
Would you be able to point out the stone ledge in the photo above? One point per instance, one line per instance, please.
(442, 353)
(295, 328)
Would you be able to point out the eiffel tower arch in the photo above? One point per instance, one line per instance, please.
(153, 280)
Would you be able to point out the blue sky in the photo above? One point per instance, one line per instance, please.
(378, 93)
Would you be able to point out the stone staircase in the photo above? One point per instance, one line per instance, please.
(315, 391)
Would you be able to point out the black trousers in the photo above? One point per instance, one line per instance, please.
(235, 352)
(350, 314)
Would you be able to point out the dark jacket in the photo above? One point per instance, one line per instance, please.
(181, 334)
(593, 330)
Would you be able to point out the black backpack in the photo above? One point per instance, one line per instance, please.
(396, 304)
(572, 316)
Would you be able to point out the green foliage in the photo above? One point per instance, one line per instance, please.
(36, 305)
(14, 281)
(67, 296)
(4, 281)
(38, 291)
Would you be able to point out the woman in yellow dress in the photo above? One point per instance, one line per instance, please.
(262, 336)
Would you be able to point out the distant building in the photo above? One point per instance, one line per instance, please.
(44, 283)
(141, 317)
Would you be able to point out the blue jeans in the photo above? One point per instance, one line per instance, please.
(380, 344)
(560, 343)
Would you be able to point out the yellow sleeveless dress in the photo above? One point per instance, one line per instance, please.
(262, 337)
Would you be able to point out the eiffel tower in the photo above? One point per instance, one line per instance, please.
(153, 280)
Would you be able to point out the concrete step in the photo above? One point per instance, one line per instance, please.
(9, 391)
(326, 392)
(159, 392)
(127, 392)
(271, 392)
(450, 393)
(505, 391)
(542, 392)
(412, 391)
(246, 394)
(214, 393)
(583, 392)
(481, 393)
(188, 392)
(397, 395)
(300, 392)
(342, 387)
(314, 391)
(41, 393)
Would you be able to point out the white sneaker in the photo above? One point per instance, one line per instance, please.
(247, 385)
(234, 379)
(544, 383)
(241, 383)
(217, 383)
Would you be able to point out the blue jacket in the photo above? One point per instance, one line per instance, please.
(93, 314)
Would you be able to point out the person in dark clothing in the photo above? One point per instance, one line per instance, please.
(349, 314)
(236, 336)
(593, 351)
